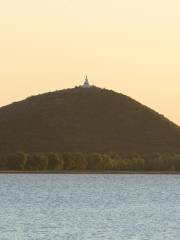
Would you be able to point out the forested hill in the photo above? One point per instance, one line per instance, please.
(85, 120)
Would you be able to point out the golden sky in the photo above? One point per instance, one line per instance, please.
(131, 46)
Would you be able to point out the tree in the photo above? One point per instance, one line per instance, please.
(175, 162)
(137, 163)
(106, 162)
(74, 161)
(80, 161)
(69, 163)
(152, 161)
(122, 164)
(16, 161)
(94, 161)
(55, 161)
(37, 162)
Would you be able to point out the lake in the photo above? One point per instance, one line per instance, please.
(82, 207)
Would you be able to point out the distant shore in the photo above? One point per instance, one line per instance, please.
(92, 172)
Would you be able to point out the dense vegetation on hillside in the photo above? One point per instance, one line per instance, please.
(90, 162)
(85, 120)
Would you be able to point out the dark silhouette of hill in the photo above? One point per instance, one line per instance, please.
(85, 120)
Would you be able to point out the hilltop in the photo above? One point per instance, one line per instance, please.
(85, 120)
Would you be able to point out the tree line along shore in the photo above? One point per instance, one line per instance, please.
(21, 161)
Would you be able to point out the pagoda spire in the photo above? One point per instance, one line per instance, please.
(86, 83)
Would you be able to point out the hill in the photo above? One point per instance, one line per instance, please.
(85, 120)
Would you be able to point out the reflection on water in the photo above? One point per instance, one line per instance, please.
(96, 207)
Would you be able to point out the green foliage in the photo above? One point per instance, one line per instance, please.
(175, 162)
(69, 163)
(55, 161)
(74, 161)
(3, 162)
(37, 162)
(94, 161)
(90, 162)
(106, 162)
(80, 161)
(16, 161)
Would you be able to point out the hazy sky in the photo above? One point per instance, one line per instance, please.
(131, 46)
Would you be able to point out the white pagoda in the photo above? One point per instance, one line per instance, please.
(86, 83)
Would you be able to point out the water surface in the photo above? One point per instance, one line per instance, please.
(82, 207)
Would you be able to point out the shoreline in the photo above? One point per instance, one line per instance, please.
(94, 172)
